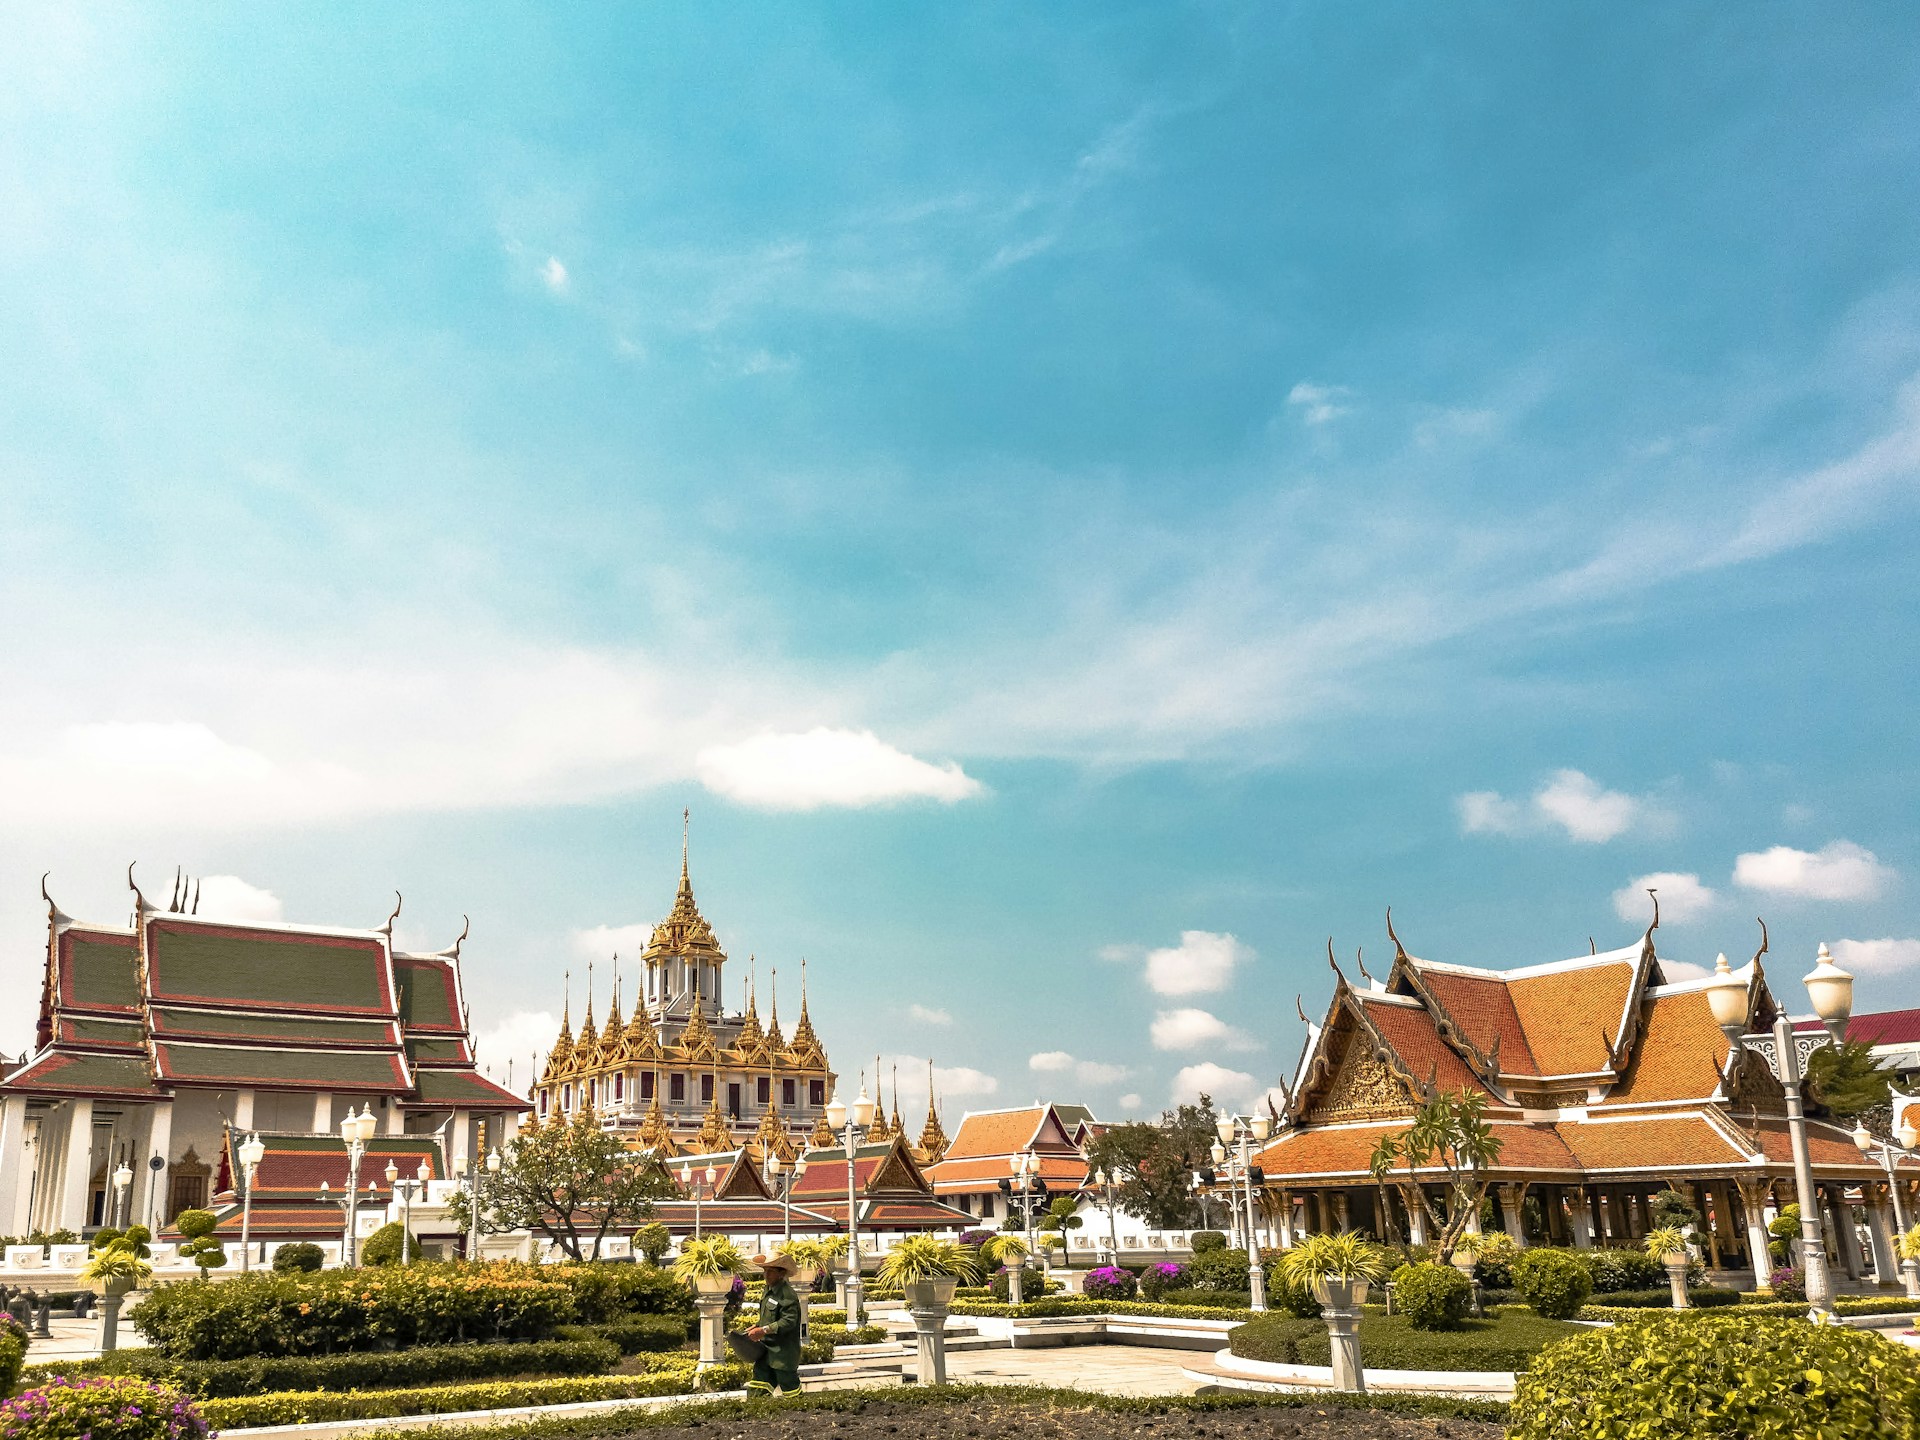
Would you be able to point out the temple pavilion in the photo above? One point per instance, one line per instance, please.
(680, 1074)
(1605, 1080)
(159, 1039)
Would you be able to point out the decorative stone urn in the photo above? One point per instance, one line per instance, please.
(1016, 1281)
(111, 1293)
(927, 1301)
(1910, 1272)
(1340, 1302)
(803, 1278)
(710, 1296)
(1676, 1263)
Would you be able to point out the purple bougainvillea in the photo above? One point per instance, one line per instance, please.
(1110, 1282)
(109, 1407)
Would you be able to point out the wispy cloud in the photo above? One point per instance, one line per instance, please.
(1193, 1029)
(1682, 897)
(928, 1015)
(1320, 404)
(554, 275)
(1569, 801)
(1203, 961)
(1877, 957)
(1839, 871)
(825, 767)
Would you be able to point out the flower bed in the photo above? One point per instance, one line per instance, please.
(1389, 1342)
(1075, 1305)
(106, 1407)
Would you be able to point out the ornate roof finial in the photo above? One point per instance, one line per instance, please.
(1656, 909)
(1399, 950)
(1335, 964)
(196, 898)
(140, 906)
(452, 952)
(1302, 1010)
(1763, 943)
(387, 929)
(173, 903)
(1360, 959)
(54, 917)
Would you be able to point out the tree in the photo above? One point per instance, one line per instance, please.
(568, 1180)
(1846, 1081)
(196, 1228)
(1152, 1164)
(382, 1247)
(1449, 1131)
(1059, 1214)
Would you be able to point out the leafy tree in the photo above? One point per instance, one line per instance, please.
(1449, 1131)
(1672, 1210)
(652, 1240)
(196, 1228)
(1845, 1081)
(1152, 1164)
(569, 1180)
(1059, 1215)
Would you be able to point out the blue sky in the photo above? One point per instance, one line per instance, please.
(1083, 502)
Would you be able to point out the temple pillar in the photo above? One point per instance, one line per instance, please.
(1283, 1219)
(1473, 1220)
(1886, 1267)
(323, 1113)
(1416, 1215)
(243, 1110)
(1753, 1200)
(1341, 1208)
(1709, 1207)
(1847, 1241)
(460, 1141)
(394, 1122)
(1580, 1218)
(1513, 1212)
(15, 1173)
(77, 1172)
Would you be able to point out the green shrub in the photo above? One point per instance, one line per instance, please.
(1390, 1342)
(302, 1257)
(1721, 1375)
(1220, 1270)
(1289, 1296)
(13, 1352)
(382, 1247)
(371, 1370)
(1432, 1297)
(1701, 1296)
(1493, 1261)
(1615, 1270)
(1205, 1240)
(1555, 1283)
(634, 1334)
(605, 1291)
(653, 1240)
(1032, 1284)
(196, 1230)
(112, 1407)
(394, 1307)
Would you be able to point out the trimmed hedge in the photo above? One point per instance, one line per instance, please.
(1432, 1297)
(635, 1335)
(1075, 1305)
(1730, 1374)
(306, 1407)
(1774, 1309)
(216, 1379)
(1390, 1342)
(614, 1291)
(1704, 1297)
(1556, 1283)
(13, 1353)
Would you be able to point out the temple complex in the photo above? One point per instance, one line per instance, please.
(1605, 1081)
(681, 1075)
(160, 1038)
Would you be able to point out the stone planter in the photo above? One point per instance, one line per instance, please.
(1340, 1301)
(111, 1292)
(1910, 1272)
(720, 1284)
(1677, 1278)
(927, 1301)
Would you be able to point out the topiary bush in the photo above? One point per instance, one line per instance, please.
(110, 1407)
(382, 1247)
(1109, 1282)
(1032, 1283)
(196, 1231)
(13, 1352)
(1702, 1378)
(1432, 1297)
(1205, 1240)
(1220, 1270)
(653, 1240)
(1555, 1283)
(302, 1257)
(1621, 1270)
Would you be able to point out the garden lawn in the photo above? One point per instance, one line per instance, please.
(1509, 1341)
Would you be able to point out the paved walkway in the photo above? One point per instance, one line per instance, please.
(1104, 1369)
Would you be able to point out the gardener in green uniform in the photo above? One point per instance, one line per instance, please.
(779, 1330)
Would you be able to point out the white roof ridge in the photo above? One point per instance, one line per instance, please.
(1623, 956)
(1404, 1001)
(286, 927)
(1690, 986)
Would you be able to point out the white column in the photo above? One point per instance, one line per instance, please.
(323, 1113)
(396, 1119)
(149, 1185)
(243, 1110)
(79, 1166)
(509, 1126)
(1753, 1204)
(1416, 1216)
(460, 1140)
(15, 1174)
(1885, 1269)
(1512, 1198)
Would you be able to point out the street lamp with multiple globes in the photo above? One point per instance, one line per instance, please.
(1243, 1132)
(692, 1187)
(356, 1130)
(784, 1177)
(1103, 1182)
(848, 1123)
(469, 1171)
(1831, 990)
(1889, 1153)
(252, 1152)
(404, 1189)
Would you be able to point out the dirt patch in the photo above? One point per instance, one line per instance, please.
(988, 1420)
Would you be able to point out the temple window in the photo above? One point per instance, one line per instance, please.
(816, 1092)
(786, 1093)
(646, 1085)
(619, 1087)
(676, 1088)
(733, 1099)
(706, 1089)
(764, 1089)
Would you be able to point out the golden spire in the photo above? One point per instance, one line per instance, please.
(655, 1133)
(562, 1050)
(933, 1135)
(613, 1014)
(714, 1135)
(750, 1038)
(898, 1128)
(696, 1040)
(822, 1137)
(776, 1042)
(588, 1038)
(642, 1043)
(805, 1049)
(879, 1130)
(684, 931)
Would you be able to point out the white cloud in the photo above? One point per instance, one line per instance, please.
(1120, 954)
(948, 1080)
(1203, 961)
(928, 1015)
(1050, 1060)
(554, 275)
(1129, 1102)
(1098, 1072)
(1571, 801)
(1876, 957)
(519, 1037)
(1217, 1081)
(1319, 404)
(824, 767)
(1189, 1029)
(228, 897)
(602, 942)
(1839, 871)
(1682, 897)
(963, 1080)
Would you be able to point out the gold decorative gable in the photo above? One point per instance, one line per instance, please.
(1363, 1087)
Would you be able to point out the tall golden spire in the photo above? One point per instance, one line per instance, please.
(898, 1128)
(879, 1130)
(776, 1042)
(823, 1136)
(933, 1135)
(805, 1048)
(714, 1135)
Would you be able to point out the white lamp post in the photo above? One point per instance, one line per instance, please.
(356, 1130)
(1831, 990)
(849, 1123)
(784, 1177)
(252, 1152)
(1103, 1182)
(1243, 1132)
(122, 1179)
(1888, 1153)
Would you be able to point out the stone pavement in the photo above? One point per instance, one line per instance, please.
(79, 1340)
(1104, 1369)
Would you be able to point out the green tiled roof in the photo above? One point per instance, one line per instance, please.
(426, 993)
(463, 1089)
(173, 1020)
(84, 1030)
(434, 1052)
(275, 1067)
(67, 1072)
(242, 967)
(99, 972)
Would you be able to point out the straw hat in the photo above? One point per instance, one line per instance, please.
(775, 1262)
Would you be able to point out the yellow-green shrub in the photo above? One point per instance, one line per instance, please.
(1725, 1374)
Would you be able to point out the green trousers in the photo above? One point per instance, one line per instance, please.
(767, 1380)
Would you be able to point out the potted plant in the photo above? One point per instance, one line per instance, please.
(1910, 1261)
(1466, 1251)
(810, 1258)
(1010, 1252)
(1338, 1269)
(1668, 1245)
(111, 1271)
(708, 1263)
(927, 1269)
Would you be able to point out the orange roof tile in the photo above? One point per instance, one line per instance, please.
(995, 1132)
(1650, 1142)
(1571, 1015)
(1678, 1055)
(1830, 1147)
(1347, 1150)
(985, 1172)
(1483, 1009)
(1409, 1030)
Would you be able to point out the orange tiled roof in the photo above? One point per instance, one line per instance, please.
(985, 1172)
(1409, 1030)
(1570, 1015)
(1678, 1055)
(1649, 1142)
(996, 1132)
(1346, 1150)
(1483, 1008)
(1829, 1146)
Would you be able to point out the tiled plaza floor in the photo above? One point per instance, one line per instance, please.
(1105, 1369)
